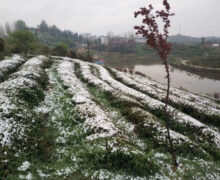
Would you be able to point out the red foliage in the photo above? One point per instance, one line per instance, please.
(158, 41)
(155, 39)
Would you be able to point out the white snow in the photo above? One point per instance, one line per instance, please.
(28, 176)
(11, 105)
(107, 83)
(42, 175)
(11, 64)
(176, 95)
(101, 125)
(155, 104)
(65, 171)
(38, 61)
(96, 118)
(24, 166)
(86, 73)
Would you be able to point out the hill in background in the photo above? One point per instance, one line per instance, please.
(192, 40)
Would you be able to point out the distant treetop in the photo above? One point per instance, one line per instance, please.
(20, 25)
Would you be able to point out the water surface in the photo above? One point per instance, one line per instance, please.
(181, 79)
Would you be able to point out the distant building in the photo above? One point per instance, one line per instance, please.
(140, 40)
(115, 41)
(83, 45)
(208, 45)
(215, 45)
(87, 35)
(211, 45)
(104, 40)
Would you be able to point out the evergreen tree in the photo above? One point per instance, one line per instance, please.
(43, 27)
(55, 31)
(20, 25)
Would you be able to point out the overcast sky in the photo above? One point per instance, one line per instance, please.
(197, 17)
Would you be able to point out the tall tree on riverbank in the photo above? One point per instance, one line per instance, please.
(158, 40)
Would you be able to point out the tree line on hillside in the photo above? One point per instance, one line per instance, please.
(47, 40)
(43, 30)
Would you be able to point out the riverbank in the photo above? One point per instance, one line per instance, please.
(185, 64)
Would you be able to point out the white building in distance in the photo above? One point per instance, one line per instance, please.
(104, 40)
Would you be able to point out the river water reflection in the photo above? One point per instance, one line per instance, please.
(181, 79)
(204, 83)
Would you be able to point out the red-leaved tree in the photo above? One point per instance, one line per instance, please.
(158, 40)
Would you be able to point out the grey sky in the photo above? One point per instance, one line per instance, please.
(197, 17)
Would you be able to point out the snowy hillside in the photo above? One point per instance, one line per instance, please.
(63, 118)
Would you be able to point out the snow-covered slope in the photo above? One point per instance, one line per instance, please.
(63, 118)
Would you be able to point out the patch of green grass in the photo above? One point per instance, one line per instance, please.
(37, 144)
(212, 119)
(32, 96)
(133, 164)
(42, 149)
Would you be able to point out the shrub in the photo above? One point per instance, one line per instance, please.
(85, 57)
(39, 48)
(61, 49)
(72, 54)
(31, 96)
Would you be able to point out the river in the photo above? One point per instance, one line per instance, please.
(181, 79)
(204, 83)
